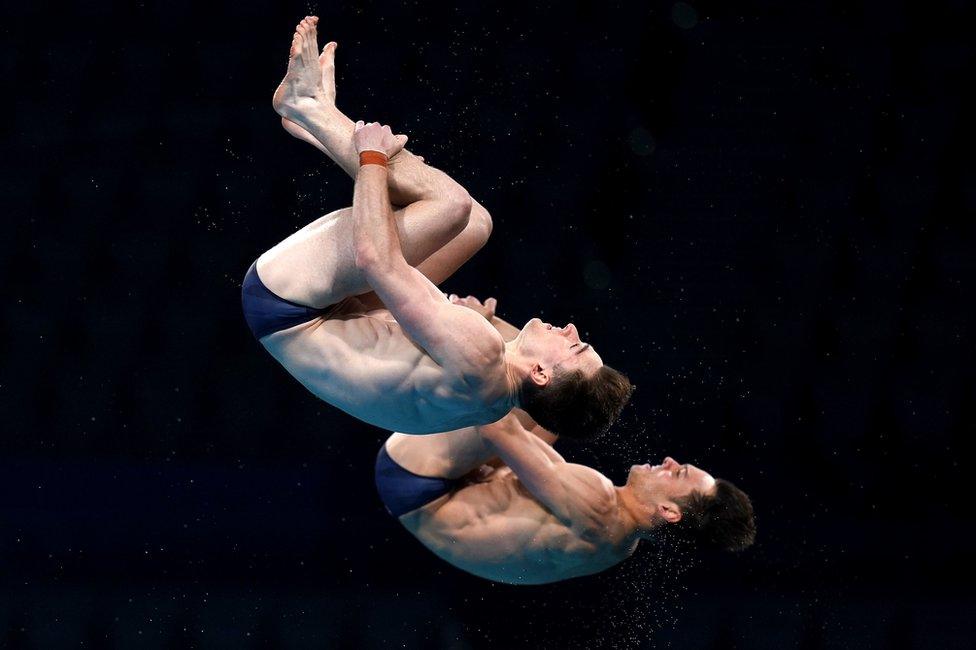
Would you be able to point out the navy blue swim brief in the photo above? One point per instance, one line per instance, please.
(267, 313)
(403, 491)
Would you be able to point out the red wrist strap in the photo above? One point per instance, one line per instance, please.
(372, 158)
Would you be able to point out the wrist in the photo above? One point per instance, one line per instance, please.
(371, 157)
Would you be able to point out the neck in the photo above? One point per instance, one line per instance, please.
(633, 515)
(514, 373)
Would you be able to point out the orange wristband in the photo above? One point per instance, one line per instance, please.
(372, 158)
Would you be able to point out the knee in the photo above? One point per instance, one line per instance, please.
(459, 208)
(479, 222)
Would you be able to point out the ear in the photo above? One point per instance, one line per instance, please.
(669, 512)
(540, 377)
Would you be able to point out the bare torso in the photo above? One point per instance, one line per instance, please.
(362, 362)
(493, 528)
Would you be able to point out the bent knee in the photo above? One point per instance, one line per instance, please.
(480, 221)
(459, 207)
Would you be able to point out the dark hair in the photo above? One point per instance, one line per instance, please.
(725, 518)
(576, 406)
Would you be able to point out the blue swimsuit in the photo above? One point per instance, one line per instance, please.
(267, 313)
(402, 491)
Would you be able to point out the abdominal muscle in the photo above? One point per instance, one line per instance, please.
(496, 530)
(364, 364)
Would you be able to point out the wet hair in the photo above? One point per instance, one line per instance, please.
(575, 406)
(725, 519)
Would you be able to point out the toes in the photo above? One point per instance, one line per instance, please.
(310, 53)
(328, 54)
(299, 41)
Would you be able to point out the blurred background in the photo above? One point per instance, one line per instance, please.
(763, 212)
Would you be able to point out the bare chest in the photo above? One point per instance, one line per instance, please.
(496, 530)
(365, 365)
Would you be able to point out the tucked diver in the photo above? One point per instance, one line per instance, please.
(499, 502)
(425, 365)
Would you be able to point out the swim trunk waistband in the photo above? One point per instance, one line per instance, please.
(267, 313)
(403, 491)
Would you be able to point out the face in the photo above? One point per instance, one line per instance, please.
(557, 347)
(669, 481)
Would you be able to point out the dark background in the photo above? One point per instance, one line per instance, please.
(763, 212)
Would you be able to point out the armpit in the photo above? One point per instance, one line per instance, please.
(481, 474)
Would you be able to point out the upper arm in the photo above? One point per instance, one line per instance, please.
(455, 337)
(573, 493)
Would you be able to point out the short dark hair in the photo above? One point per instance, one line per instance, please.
(725, 518)
(576, 406)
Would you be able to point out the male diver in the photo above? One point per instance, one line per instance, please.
(422, 364)
(499, 502)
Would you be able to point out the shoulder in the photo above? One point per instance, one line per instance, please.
(597, 489)
(482, 356)
(591, 499)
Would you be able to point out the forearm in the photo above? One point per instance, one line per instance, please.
(410, 179)
(374, 230)
(542, 434)
(517, 429)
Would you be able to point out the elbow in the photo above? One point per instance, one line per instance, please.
(368, 259)
(498, 429)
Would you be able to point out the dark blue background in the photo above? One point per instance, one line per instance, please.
(763, 212)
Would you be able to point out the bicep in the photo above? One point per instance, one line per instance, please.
(453, 336)
(538, 466)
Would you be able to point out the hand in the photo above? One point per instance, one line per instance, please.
(486, 309)
(373, 137)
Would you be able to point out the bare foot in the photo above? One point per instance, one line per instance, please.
(326, 89)
(327, 64)
(303, 81)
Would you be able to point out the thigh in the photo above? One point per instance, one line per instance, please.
(450, 455)
(316, 266)
(309, 266)
(442, 263)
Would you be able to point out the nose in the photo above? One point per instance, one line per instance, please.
(668, 461)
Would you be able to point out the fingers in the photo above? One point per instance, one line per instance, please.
(397, 144)
(379, 137)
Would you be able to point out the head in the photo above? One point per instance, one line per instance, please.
(695, 503)
(567, 388)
